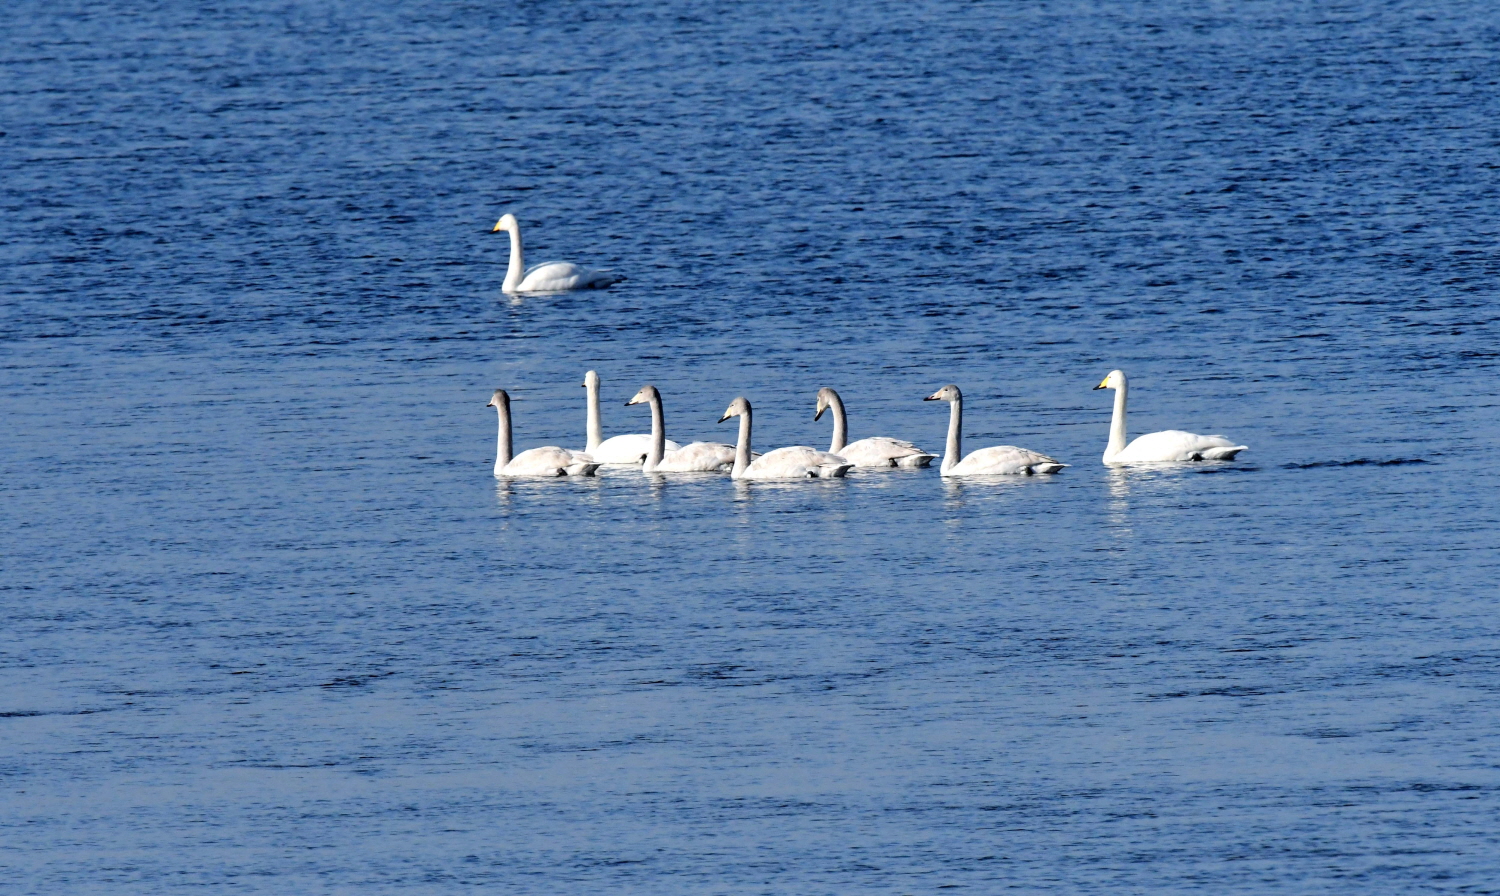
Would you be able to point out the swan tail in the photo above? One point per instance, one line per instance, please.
(834, 471)
(1223, 453)
(582, 465)
(915, 461)
(605, 278)
(1050, 467)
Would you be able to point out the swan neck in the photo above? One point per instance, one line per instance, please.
(502, 446)
(1117, 425)
(742, 448)
(658, 435)
(955, 434)
(517, 269)
(595, 425)
(840, 425)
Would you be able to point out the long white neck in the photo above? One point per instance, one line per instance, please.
(840, 425)
(953, 454)
(595, 422)
(517, 268)
(742, 448)
(658, 435)
(1117, 424)
(502, 447)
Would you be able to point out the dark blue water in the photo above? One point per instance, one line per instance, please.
(268, 624)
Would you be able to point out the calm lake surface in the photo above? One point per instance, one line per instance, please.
(269, 624)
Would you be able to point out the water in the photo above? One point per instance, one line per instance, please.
(270, 625)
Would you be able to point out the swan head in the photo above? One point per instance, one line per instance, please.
(591, 380)
(645, 395)
(1115, 380)
(507, 222)
(499, 400)
(737, 408)
(826, 398)
(947, 393)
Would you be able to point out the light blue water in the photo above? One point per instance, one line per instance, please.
(268, 624)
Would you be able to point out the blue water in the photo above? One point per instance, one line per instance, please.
(268, 623)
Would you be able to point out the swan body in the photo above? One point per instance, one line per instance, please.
(795, 462)
(616, 450)
(549, 276)
(546, 461)
(1158, 447)
(696, 457)
(1000, 460)
(876, 452)
(622, 450)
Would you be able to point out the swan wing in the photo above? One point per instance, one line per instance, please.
(560, 276)
(882, 451)
(698, 457)
(1176, 445)
(550, 461)
(797, 462)
(1005, 460)
(627, 449)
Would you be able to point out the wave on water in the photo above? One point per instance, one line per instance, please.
(1358, 462)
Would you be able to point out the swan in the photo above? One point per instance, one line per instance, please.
(878, 452)
(548, 461)
(549, 276)
(796, 462)
(626, 449)
(1158, 447)
(1001, 459)
(697, 457)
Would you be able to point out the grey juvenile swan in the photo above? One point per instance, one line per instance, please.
(696, 457)
(546, 461)
(877, 452)
(796, 462)
(999, 460)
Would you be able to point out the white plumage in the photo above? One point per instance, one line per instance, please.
(631, 448)
(1158, 447)
(549, 276)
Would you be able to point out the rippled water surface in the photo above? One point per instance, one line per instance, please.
(268, 623)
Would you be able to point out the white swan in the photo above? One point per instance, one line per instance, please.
(547, 461)
(626, 449)
(796, 462)
(696, 457)
(1158, 447)
(879, 452)
(549, 276)
(1001, 459)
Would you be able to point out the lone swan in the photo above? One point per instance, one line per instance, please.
(697, 457)
(626, 449)
(1158, 447)
(878, 452)
(1005, 460)
(549, 276)
(548, 461)
(796, 462)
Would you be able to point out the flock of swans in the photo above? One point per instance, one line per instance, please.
(655, 453)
